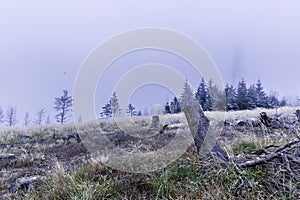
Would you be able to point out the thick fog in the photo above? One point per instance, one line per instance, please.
(43, 44)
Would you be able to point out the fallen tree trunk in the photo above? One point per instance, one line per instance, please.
(23, 183)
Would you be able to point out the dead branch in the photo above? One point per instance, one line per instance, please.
(238, 188)
(263, 150)
(288, 167)
(267, 157)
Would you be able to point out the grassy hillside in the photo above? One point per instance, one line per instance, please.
(66, 170)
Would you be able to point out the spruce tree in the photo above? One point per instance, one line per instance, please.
(175, 106)
(167, 108)
(262, 99)
(115, 108)
(216, 97)
(106, 110)
(63, 105)
(252, 97)
(231, 97)
(242, 99)
(273, 101)
(283, 102)
(202, 95)
(187, 96)
(131, 110)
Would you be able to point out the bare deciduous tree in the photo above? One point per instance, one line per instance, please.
(1, 116)
(40, 115)
(48, 120)
(11, 116)
(27, 120)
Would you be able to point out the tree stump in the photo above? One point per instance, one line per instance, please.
(155, 122)
(297, 113)
(265, 119)
(200, 126)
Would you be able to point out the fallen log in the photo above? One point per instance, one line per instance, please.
(23, 183)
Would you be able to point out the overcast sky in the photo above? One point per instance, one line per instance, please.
(43, 44)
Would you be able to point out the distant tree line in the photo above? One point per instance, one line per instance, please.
(63, 106)
(208, 95)
(242, 97)
(112, 108)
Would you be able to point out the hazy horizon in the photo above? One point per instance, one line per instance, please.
(43, 44)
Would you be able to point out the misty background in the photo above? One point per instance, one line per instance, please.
(43, 44)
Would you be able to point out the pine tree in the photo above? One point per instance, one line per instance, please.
(283, 102)
(231, 97)
(202, 95)
(131, 110)
(63, 105)
(187, 96)
(252, 97)
(273, 101)
(175, 106)
(216, 98)
(106, 110)
(115, 108)
(242, 99)
(262, 99)
(167, 108)
(139, 113)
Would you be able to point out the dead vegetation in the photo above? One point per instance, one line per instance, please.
(51, 163)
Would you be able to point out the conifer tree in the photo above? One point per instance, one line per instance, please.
(131, 110)
(231, 97)
(175, 106)
(63, 105)
(273, 101)
(167, 108)
(242, 99)
(202, 95)
(115, 108)
(262, 99)
(187, 96)
(216, 97)
(106, 110)
(252, 97)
